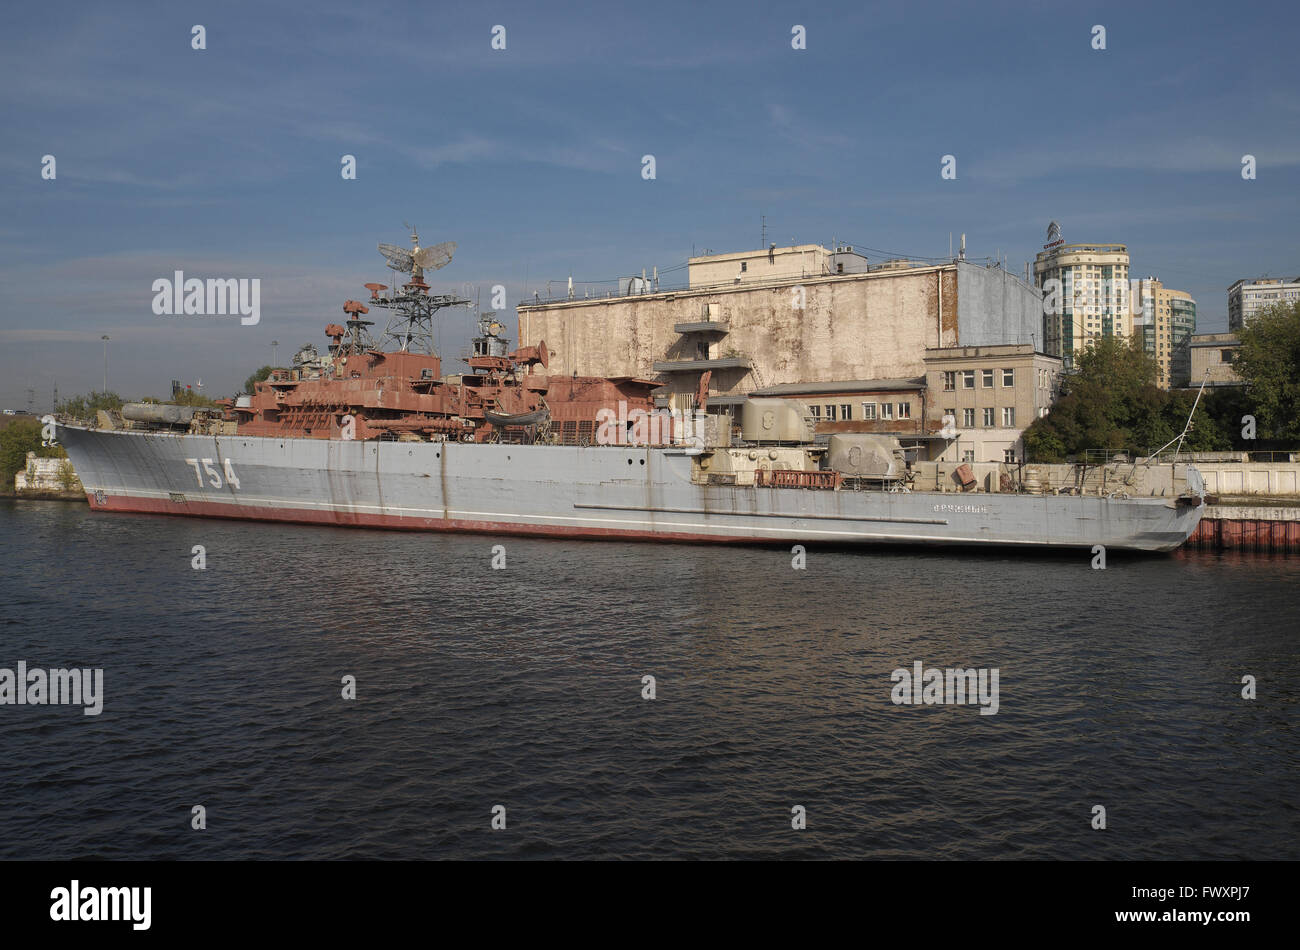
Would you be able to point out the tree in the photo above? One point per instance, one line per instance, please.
(68, 480)
(250, 384)
(1112, 403)
(188, 397)
(85, 407)
(1269, 362)
(16, 440)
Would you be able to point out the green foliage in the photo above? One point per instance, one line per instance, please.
(16, 440)
(1112, 403)
(1269, 362)
(250, 384)
(67, 476)
(187, 397)
(85, 407)
(1227, 406)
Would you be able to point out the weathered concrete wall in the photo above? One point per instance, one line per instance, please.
(1252, 478)
(868, 326)
(1205, 354)
(1251, 513)
(995, 307)
(43, 474)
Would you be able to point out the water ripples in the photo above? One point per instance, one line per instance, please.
(523, 688)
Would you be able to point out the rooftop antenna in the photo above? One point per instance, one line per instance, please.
(763, 241)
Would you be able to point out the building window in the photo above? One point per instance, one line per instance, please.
(815, 412)
(846, 412)
(830, 413)
(886, 410)
(1009, 455)
(968, 418)
(988, 417)
(904, 410)
(1226, 356)
(968, 379)
(1008, 418)
(968, 455)
(744, 266)
(988, 378)
(1008, 377)
(949, 381)
(868, 410)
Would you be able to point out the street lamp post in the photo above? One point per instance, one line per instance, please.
(105, 339)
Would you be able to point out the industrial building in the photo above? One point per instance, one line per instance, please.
(801, 314)
(1212, 358)
(989, 395)
(862, 347)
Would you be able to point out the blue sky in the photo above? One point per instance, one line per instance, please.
(226, 162)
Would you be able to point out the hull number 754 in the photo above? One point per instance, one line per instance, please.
(214, 476)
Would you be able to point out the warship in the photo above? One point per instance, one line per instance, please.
(372, 434)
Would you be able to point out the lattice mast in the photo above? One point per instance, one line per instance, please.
(410, 328)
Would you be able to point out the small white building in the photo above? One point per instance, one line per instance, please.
(47, 475)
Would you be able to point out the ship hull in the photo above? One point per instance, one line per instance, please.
(572, 491)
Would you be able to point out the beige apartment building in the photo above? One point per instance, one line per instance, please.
(992, 394)
(1165, 325)
(1086, 295)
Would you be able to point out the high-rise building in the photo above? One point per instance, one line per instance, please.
(1165, 324)
(1182, 327)
(1086, 294)
(1248, 296)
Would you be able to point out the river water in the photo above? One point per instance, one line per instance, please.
(523, 688)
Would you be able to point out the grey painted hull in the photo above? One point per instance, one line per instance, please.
(571, 491)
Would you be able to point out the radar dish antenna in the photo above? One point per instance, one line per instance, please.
(410, 328)
(436, 257)
(418, 259)
(399, 258)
